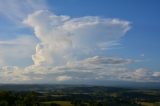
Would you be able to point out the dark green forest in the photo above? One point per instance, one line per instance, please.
(79, 96)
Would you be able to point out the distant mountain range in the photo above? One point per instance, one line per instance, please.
(41, 87)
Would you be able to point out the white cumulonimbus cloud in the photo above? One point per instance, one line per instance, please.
(63, 39)
(68, 51)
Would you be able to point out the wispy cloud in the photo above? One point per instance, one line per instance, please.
(17, 10)
(17, 47)
(16, 50)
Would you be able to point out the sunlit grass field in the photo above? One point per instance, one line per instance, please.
(150, 104)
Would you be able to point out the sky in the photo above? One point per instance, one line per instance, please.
(75, 41)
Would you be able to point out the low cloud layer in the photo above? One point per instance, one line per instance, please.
(68, 51)
(84, 71)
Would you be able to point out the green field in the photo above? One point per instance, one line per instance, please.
(62, 103)
(150, 104)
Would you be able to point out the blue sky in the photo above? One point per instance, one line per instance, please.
(143, 15)
(143, 38)
(126, 31)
